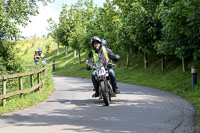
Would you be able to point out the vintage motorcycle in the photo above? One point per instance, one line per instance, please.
(102, 76)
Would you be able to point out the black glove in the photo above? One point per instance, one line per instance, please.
(117, 57)
(89, 67)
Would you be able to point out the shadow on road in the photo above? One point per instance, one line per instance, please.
(131, 111)
(88, 115)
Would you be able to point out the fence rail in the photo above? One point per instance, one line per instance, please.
(21, 91)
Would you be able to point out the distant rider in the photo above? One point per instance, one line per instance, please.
(102, 53)
(38, 55)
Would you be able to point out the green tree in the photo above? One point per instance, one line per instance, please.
(126, 30)
(61, 32)
(145, 26)
(179, 21)
(12, 14)
(82, 20)
(76, 25)
(109, 24)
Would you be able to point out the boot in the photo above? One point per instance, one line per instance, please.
(115, 88)
(96, 94)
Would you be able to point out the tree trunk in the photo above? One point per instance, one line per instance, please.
(79, 56)
(184, 64)
(58, 50)
(74, 53)
(145, 60)
(66, 50)
(127, 61)
(163, 63)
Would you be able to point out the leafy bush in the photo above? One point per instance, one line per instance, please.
(10, 62)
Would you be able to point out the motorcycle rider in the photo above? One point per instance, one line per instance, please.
(38, 55)
(102, 53)
(104, 42)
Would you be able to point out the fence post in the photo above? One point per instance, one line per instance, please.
(53, 66)
(44, 72)
(43, 75)
(4, 92)
(194, 76)
(38, 76)
(32, 81)
(21, 85)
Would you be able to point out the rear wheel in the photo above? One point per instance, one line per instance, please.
(105, 93)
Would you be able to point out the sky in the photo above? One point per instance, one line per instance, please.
(39, 24)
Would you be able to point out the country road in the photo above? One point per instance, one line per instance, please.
(71, 109)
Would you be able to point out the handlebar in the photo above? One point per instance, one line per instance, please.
(107, 64)
(111, 64)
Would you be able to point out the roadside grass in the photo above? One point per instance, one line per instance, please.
(172, 79)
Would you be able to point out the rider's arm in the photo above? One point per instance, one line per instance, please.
(35, 57)
(90, 61)
(111, 55)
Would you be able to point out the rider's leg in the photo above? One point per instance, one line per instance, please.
(36, 61)
(113, 80)
(95, 84)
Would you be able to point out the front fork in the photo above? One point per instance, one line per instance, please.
(107, 83)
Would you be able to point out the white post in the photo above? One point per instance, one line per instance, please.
(58, 50)
(74, 53)
(66, 51)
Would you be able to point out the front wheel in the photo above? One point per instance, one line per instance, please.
(105, 93)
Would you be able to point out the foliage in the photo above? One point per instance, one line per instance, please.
(14, 13)
(10, 63)
(72, 28)
(161, 26)
(109, 23)
(180, 32)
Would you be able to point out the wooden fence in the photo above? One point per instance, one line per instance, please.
(21, 90)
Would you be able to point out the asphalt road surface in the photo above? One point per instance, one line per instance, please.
(71, 108)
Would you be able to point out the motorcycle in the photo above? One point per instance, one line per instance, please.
(43, 61)
(103, 78)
